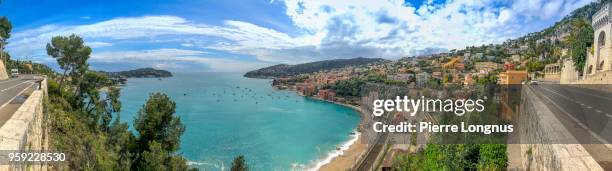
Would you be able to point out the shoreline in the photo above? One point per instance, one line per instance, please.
(345, 158)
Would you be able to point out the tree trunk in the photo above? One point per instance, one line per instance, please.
(62, 81)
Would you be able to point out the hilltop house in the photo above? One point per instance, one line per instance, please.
(400, 77)
(486, 67)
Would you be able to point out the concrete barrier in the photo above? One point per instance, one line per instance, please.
(539, 124)
(24, 130)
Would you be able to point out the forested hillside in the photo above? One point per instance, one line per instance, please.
(290, 70)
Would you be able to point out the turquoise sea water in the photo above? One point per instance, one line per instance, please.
(227, 115)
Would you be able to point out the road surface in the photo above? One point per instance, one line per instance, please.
(9, 91)
(591, 108)
(586, 113)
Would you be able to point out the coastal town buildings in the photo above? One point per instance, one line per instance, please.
(459, 66)
(454, 63)
(486, 67)
(477, 56)
(515, 58)
(422, 78)
(552, 72)
(508, 66)
(451, 63)
(326, 94)
(400, 77)
(437, 74)
(512, 77)
(305, 89)
(468, 79)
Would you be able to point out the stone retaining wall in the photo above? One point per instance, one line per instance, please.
(540, 126)
(24, 130)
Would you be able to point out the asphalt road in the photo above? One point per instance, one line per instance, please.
(586, 113)
(9, 90)
(591, 108)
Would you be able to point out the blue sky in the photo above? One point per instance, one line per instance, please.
(236, 36)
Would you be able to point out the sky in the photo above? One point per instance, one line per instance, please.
(238, 36)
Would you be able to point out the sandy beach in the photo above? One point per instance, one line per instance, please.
(347, 159)
(353, 153)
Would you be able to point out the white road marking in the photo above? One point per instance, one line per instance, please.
(11, 99)
(606, 143)
(594, 95)
(14, 86)
(8, 81)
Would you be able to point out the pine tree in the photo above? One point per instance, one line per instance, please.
(239, 164)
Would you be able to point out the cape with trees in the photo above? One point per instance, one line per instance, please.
(283, 70)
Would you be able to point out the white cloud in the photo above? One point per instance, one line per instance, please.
(505, 15)
(327, 29)
(456, 24)
(98, 44)
(187, 44)
(243, 36)
(171, 59)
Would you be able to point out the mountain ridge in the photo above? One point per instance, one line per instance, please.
(282, 70)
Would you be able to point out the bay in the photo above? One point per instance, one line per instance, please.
(228, 115)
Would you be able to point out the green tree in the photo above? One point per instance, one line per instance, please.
(534, 65)
(159, 130)
(350, 87)
(71, 55)
(239, 164)
(434, 83)
(80, 114)
(88, 98)
(5, 33)
(493, 157)
(121, 140)
(488, 80)
(580, 38)
(156, 122)
(153, 158)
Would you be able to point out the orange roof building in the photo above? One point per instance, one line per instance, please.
(512, 77)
